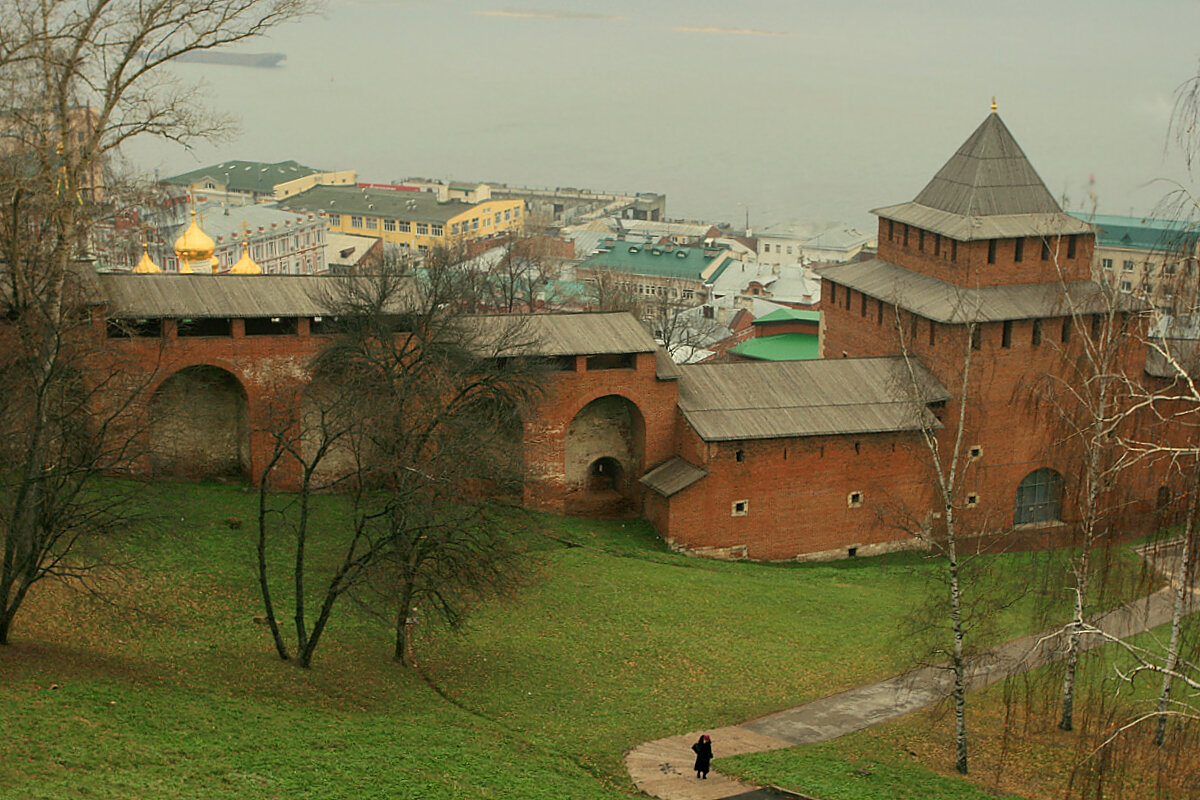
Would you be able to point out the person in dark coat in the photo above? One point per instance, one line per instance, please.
(703, 751)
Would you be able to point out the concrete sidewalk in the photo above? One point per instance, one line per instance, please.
(662, 768)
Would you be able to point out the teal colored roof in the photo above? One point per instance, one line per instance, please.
(661, 261)
(782, 347)
(246, 176)
(565, 289)
(1141, 233)
(790, 315)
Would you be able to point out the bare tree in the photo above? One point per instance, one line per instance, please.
(78, 80)
(609, 290)
(524, 275)
(414, 410)
(69, 413)
(669, 310)
(681, 328)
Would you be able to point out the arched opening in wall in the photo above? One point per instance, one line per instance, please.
(1039, 498)
(604, 474)
(199, 425)
(604, 455)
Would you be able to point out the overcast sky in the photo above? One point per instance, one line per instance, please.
(792, 109)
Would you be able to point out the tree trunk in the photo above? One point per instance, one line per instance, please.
(1183, 580)
(403, 615)
(1097, 444)
(268, 604)
(302, 636)
(1067, 720)
(310, 646)
(956, 621)
(960, 688)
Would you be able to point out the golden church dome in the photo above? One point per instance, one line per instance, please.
(146, 266)
(194, 247)
(245, 265)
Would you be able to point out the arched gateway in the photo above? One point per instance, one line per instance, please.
(200, 425)
(605, 448)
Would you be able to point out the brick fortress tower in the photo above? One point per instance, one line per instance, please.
(983, 268)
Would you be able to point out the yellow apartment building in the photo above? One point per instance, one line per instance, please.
(417, 220)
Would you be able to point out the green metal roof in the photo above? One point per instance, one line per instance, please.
(246, 176)
(566, 289)
(388, 203)
(790, 315)
(661, 261)
(781, 347)
(1142, 233)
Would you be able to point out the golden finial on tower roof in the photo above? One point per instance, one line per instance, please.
(994, 104)
(245, 265)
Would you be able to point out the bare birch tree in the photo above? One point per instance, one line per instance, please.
(1086, 399)
(941, 529)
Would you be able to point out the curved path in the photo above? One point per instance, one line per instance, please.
(663, 768)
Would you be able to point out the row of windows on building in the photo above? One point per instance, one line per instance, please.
(428, 228)
(650, 290)
(867, 305)
(280, 246)
(311, 263)
(903, 236)
(485, 221)
(153, 328)
(951, 251)
(1129, 265)
(778, 248)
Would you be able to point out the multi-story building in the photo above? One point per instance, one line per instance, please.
(281, 242)
(245, 182)
(811, 242)
(646, 271)
(561, 205)
(1151, 258)
(410, 218)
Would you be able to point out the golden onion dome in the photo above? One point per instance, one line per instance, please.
(194, 244)
(146, 266)
(245, 265)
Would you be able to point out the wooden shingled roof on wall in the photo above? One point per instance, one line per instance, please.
(754, 400)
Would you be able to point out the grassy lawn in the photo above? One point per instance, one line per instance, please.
(854, 768)
(167, 687)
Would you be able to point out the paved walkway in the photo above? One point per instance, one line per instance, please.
(663, 768)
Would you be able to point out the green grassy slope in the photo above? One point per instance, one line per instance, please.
(169, 687)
